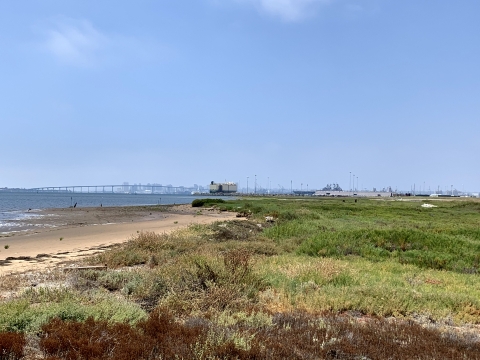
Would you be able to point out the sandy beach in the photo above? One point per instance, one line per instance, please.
(63, 235)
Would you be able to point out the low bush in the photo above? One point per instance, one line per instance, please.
(230, 283)
(140, 249)
(235, 230)
(22, 316)
(203, 202)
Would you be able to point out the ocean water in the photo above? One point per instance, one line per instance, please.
(18, 206)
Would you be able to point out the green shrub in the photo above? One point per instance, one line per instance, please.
(202, 202)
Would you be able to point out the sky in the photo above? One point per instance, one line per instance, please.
(288, 91)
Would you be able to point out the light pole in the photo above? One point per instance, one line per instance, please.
(247, 184)
(357, 183)
(353, 184)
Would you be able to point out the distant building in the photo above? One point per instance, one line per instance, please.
(225, 188)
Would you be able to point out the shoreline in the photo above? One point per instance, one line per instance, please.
(56, 218)
(72, 234)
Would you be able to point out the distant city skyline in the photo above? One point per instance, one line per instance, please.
(292, 91)
(259, 188)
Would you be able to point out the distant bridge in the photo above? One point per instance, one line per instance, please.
(121, 189)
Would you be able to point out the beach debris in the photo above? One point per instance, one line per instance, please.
(429, 206)
(269, 219)
(24, 258)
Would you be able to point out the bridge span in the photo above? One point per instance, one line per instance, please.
(119, 189)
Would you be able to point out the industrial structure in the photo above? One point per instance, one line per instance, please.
(223, 188)
(304, 192)
(354, 193)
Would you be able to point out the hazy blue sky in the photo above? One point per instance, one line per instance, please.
(183, 92)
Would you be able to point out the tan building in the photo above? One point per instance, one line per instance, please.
(227, 187)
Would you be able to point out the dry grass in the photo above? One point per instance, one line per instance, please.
(10, 283)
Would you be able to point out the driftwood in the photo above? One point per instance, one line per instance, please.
(72, 268)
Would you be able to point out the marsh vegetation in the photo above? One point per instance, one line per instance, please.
(327, 278)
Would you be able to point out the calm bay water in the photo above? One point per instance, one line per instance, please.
(14, 206)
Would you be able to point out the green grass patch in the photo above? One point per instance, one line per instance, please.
(38, 306)
(375, 288)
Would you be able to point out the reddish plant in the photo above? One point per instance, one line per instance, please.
(12, 346)
(290, 336)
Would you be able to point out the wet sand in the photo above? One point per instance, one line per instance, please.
(63, 235)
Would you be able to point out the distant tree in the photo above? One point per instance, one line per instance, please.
(332, 187)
